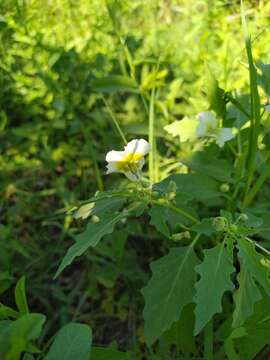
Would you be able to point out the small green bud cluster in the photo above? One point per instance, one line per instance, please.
(220, 223)
(181, 236)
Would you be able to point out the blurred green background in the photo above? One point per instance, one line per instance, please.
(55, 131)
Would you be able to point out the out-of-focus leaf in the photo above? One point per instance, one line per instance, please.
(116, 83)
(264, 76)
(8, 312)
(73, 341)
(196, 186)
(210, 165)
(99, 353)
(20, 297)
(18, 334)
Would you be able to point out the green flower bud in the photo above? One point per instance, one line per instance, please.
(95, 219)
(178, 236)
(162, 201)
(233, 227)
(187, 234)
(224, 188)
(243, 217)
(171, 187)
(172, 195)
(220, 223)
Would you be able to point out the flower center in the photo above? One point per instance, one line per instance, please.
(129, 162)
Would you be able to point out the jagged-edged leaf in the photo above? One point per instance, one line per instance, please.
(170, 288)
(256, 264)
(245, 297)
(73, 341)
(215, 279)
(18, 334)
(209, 164)
(181, 332)
(185, 129)
(247, 341)
(90, 237)
(158, 220)
(114, 83)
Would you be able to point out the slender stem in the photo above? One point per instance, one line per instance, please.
(255, 107)
(178, 210)
(256, 187)
(151, 138)
(258, 246)
(208, 341)
(116, 124)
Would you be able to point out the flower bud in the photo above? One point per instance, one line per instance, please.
(181, 236)
(171, 187)
(178, 236)
(243, 217)
(172, 195)
(224, 188)
(162, 201)
(220, 223)
(95, 219)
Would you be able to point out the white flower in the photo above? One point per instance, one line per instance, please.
(208, 127)
(130, 161)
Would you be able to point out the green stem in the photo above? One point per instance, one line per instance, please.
(256, 187)
(177, 210)
(208, 341)
(258, 246)
(116, 124)
(151, 138)
(255, 116)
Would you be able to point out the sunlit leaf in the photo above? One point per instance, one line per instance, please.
(185, 129)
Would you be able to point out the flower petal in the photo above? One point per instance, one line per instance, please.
(112, 167)
(207, 123)
(137, 146)
(223, 135)
(131, 176)
(140, 164)
(115, 155)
